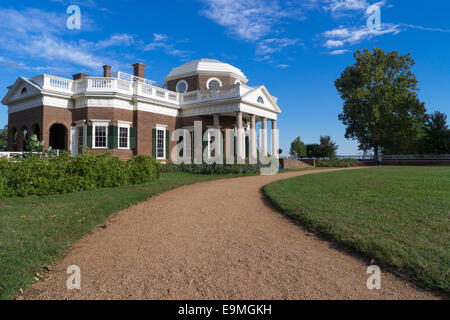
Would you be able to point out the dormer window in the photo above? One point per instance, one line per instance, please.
(213, 83)
(24, 90)
(260, 100)
(182, 86)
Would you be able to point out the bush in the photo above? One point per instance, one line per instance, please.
(212, 168)
(37, 175)
(143, 169)
(334, 163)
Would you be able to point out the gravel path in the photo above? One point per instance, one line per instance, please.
(213, 240)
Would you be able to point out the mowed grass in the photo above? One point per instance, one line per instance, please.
(35, 231)
(398, 216)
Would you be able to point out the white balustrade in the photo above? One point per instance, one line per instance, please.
(129, 84)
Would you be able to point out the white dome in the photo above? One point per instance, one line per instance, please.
(205, 66)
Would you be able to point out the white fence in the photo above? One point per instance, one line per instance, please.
(19, 155)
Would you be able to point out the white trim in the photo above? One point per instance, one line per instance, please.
(123, 124)
(162, 128)
(182, 81)
(99, 123)
(212, 79)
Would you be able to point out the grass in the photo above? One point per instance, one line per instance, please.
(398, 216)
(35, 231)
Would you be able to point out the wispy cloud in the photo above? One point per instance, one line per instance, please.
(338, 52)
(355, 35)
(343, 7)
(258, 21)
(161, 42)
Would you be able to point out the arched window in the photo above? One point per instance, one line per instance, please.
(58, 137)
(14, 139)
(36, 130)
(24, 138)
(24, 90)
(260, 100)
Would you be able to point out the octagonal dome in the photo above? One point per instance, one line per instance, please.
(206, 66)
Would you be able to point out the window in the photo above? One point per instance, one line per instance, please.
(24, 90)
(213, 83)
(160, 143)
(100, 136)
(260, 100)
(124, 137)
(182, 86)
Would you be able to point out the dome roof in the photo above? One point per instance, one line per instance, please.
(205, 66)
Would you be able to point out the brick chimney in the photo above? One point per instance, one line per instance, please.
(139, 70)
(106, 71)
(79, 76)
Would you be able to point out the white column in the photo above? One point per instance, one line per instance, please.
(253, 147)
(274, 139)
(264, 137)
(239, 137)
(216, 121)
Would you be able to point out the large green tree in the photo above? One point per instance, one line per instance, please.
(381, 107)
(298, 148)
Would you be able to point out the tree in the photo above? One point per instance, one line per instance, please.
(327, 147)
(4, 138)
(436, 135)
(298, 148)
(381, 107)
(313, 150)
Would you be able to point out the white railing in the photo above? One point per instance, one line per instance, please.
(131, 85)
(54, 83)
(132, 78)
(227, 92)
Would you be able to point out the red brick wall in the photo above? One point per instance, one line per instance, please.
(19, 120)
(198, 82)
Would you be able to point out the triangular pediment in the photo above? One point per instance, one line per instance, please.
(21, 89)
(260, 97)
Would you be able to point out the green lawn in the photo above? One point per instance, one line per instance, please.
(398, 216)
(34, 231)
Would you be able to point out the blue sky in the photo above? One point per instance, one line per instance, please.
(296, 48)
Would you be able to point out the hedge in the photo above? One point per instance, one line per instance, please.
(212, 168)
(37, 175)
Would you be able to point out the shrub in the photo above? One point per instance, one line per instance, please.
(212, 168)
(143, 169)
(37, 175)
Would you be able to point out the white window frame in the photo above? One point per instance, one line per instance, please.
(163, 128)
(182, 81)
(212, 79)
(99, 123)
(127, 125)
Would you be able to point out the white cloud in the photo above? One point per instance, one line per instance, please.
(340, 7)
(161, 42)
(355, 35)
(282, 66)
(272, 45)
(338, 52)
(116, 40)
(334, 44)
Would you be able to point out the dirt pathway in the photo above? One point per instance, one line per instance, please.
(213, 240)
